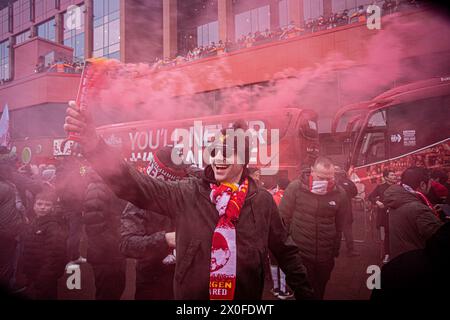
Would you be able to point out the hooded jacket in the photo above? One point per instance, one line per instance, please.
(418, 274)
(411, 222)
(314, 221)
(258, 230)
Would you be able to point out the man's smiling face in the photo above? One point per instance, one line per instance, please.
(226, 167)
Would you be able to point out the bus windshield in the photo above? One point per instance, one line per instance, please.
(403, 128)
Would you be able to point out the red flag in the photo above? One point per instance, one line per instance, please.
(5, 137)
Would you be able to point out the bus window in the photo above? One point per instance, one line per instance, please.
(377, 120)
(372, 148)
(308, 128)
(418, 124)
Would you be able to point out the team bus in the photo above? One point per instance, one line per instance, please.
(297, 144)
(405, 126)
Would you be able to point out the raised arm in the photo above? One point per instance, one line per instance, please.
(167, 198)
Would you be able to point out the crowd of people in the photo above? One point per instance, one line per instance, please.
(205, 233)
(244, 41)
(291, 30)
(60, 65)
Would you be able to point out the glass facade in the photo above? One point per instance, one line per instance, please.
(283, 11)
(251, 21)
(312, 9)
(47, 30)
(74, 31)
(4, 60)
(21, 14)
(107, 28)
(43, 8)
(4, 22)
(22, 37)
(208, 33)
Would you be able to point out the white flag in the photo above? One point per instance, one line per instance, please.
(5, 137)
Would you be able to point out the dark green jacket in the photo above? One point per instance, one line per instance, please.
(258, 230)
(411, 222)
(314, 221)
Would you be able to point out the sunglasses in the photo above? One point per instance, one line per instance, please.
(225, 150)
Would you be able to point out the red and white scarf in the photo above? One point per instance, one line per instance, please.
(422, 197)
(228, 200)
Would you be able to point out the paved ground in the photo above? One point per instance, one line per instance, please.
(348, 280)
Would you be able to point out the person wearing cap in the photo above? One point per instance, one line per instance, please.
(225, 202)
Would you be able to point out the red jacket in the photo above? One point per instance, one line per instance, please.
(440, 190)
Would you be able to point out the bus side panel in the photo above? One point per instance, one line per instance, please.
(368, 177)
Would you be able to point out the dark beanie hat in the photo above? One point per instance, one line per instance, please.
(162, 167)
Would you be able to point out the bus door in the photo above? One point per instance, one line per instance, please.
(371, 146)
(365, 133)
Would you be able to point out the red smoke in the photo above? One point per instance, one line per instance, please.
(139, 92)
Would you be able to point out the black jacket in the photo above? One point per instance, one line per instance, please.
(101, 217)
(378, 195)
(71, 188)
(314, 221)
(44, 250)
(258, 230)
(350, 191)
(143, 238)
(411, 222)
(418, 274)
